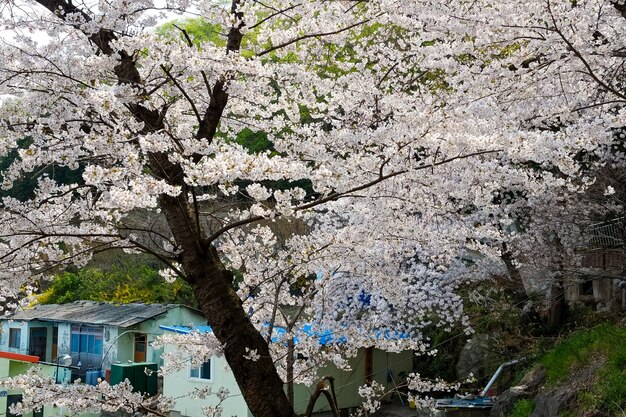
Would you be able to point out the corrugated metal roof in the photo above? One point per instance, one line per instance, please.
(93, 312)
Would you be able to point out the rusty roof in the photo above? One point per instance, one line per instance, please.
(93, 312)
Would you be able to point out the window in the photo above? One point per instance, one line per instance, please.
(12, 400)
(86, 340)
(141, 342)
(586, 285)
(202, 372)
(15, 336)
(86, 349)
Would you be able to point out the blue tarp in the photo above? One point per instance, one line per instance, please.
(187, 329)
(463, 403)
(324, 337)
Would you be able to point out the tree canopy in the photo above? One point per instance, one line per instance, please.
(420, 132)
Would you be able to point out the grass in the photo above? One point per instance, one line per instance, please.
(605, 344)
(581, 347)
(522, 408)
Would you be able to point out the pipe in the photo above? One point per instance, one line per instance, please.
(496, 375)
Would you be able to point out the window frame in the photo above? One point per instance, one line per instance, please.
(199, 368)
(83, 340)
(15, 335)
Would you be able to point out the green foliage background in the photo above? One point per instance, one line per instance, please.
(120, 284)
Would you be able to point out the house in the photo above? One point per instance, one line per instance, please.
(602, 268)
(14, 364)
(94, 334)
(369, 364)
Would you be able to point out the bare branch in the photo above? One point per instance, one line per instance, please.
(312, 35)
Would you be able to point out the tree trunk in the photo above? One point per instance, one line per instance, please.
(290, 361)
(213, 288)
(212, 283)
(258, 380)
(558, 306)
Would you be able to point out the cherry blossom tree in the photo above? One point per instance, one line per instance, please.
(397, 126)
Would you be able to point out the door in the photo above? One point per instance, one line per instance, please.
(141, 344)
(369, 365)
(13, 399)
(55, 343)
(37, 342)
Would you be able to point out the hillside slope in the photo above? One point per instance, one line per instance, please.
(584, 375)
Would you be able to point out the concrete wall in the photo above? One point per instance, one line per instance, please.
(110, 352)
(178, 316)
(4, 369)
(603, 269)
(121, 342)
(64, 339)
(347, 383)
(4, 342)
(125, 345)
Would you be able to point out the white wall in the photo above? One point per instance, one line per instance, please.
(4, 342)
(109, 346)
(178, 385)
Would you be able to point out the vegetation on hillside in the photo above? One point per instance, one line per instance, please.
(523, 408)
(600, 351)
(604, 344)
(119, 284)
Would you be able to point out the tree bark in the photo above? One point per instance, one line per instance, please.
(290, 361)
(258, 380)
(558, 306)
(213, 288)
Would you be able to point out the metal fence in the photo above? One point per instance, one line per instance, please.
(607, 234)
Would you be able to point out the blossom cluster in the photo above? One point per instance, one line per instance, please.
(408, 146)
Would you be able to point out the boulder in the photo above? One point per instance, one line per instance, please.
(477, 357)
(551, 403)
(504, 404)
(528, 388)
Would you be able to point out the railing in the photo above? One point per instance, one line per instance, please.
(607, 234)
